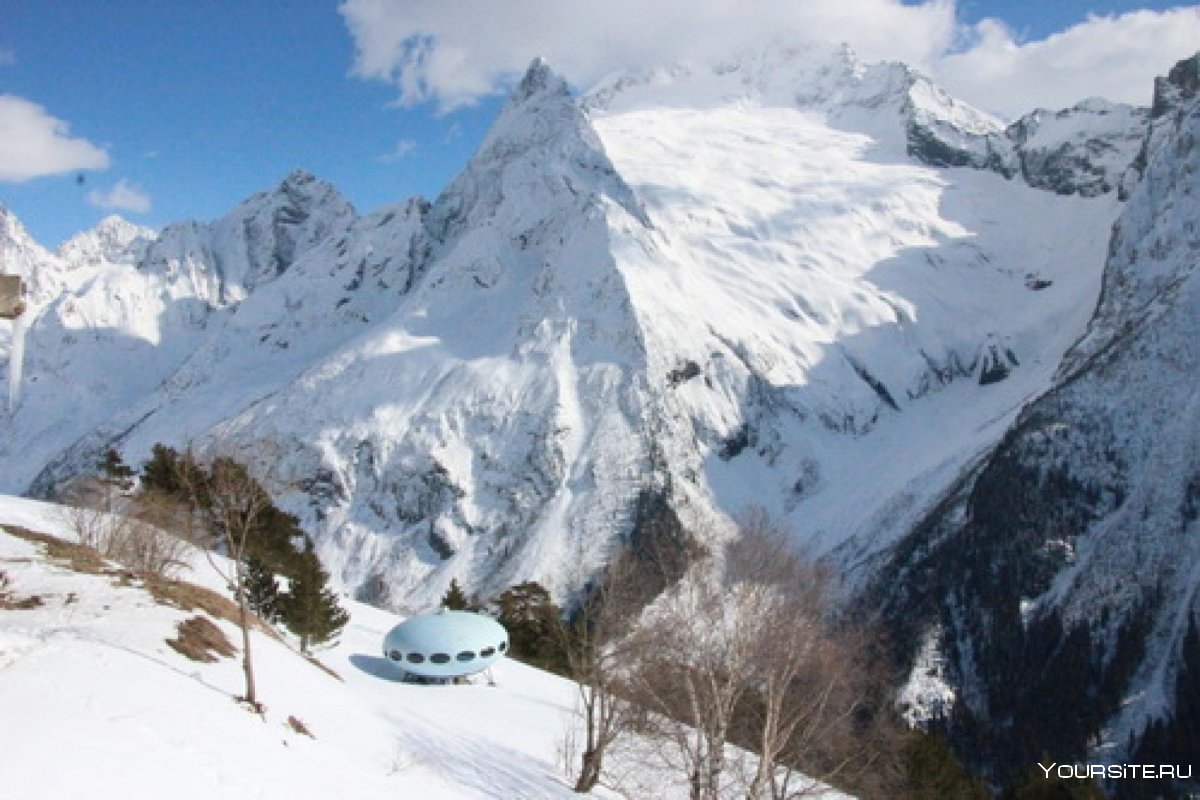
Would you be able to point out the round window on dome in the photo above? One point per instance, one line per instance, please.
(440, 658)
(465, 655)
(503, 646)
(395, 655)
(487, 652)
(416, 658)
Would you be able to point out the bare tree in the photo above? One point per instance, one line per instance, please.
(90, 525)
(135, 533)
(745, 650)
(230, 504)
(693, 653)
(598, 650)
(154, 538)
(808, 686)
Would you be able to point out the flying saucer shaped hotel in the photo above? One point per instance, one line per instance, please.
(446, 644)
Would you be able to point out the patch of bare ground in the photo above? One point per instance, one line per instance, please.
(326, 669)
(201, 640)
(299, 727)
(69, 554)
(11, 602)
(189, 597)
(165, 591)
(171, 592)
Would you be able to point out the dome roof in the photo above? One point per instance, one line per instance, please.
(446, 644)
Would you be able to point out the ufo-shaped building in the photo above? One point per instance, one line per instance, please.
(446, 644)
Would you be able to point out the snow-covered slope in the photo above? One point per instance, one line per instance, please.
(846, 329)
(94, 702)
(722, 285)
(1078, 539)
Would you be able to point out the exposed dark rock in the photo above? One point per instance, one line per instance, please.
(1179, 86)
(689, 370)
(877, 386)
(733, 446)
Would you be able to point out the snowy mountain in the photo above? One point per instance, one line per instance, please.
(723, 284)
(113, 240)
(791, 279)
(1078, 538)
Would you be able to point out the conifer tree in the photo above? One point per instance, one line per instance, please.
(113, 479)
(174, 474)
(455, 598)
(262, 590)
(310, 608)
(534, 624)
(114, 471)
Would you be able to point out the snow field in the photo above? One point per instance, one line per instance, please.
(94, 703)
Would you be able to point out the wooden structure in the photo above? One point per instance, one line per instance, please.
(12, 300)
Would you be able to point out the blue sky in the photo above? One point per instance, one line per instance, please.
(190, 107)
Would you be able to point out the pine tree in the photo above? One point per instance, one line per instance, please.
(168, 472)
(115, 472)
(262, 590)
(534, 625)
(310, 608)
(113, 479)
(455, 598)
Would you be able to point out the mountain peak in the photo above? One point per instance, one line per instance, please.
(1181, 84)
(112, 239)
(301, 187)
(540, 79)
(299, 177)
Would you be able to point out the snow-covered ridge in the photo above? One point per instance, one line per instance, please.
(725, 285)
(1081, 150)
(253, 244)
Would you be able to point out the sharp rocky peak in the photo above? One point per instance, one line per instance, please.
(1181, 84)
(10, 226)
(541, 139)
(303, 192)
(540, 79)
(256, 242)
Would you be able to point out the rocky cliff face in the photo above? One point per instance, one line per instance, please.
(1061, 576)
(1083, 150)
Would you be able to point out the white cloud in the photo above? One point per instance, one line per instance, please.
(34, 144)
(8, 57)
(1116, 57)
(124, 196)
(454, 53)
(403, 149)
